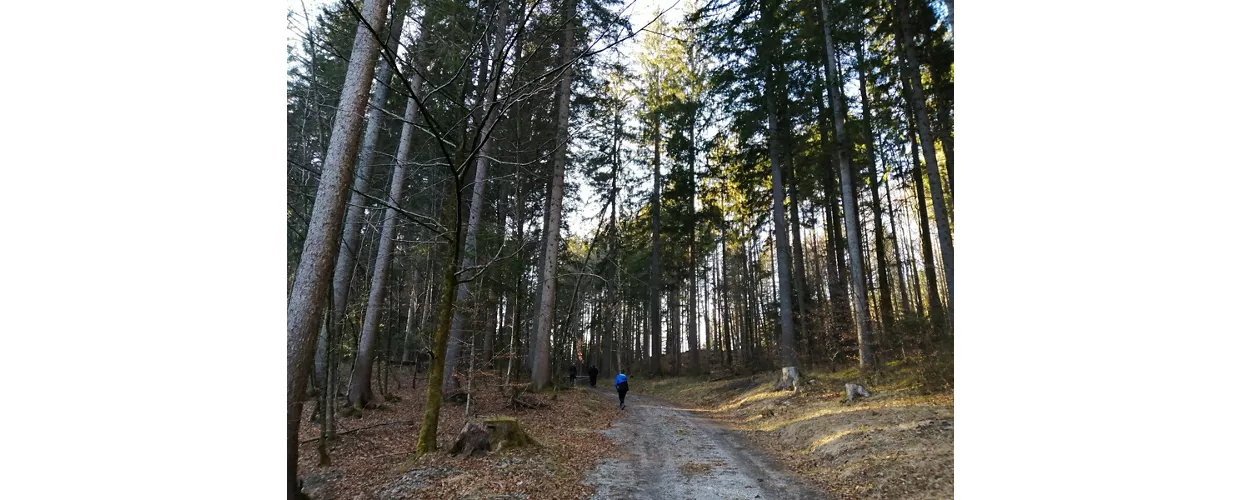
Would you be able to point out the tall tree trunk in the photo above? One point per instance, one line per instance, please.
(787, 339)
(755, 306)
(656, 265)
(798, 260)
(413, 307)
(695, 362)
(322, 243)
(725, 292)
(609, 330)
(349, 249)
(937, 316)
(495, 323)
(917, 295)
(427, 437)
(943, 126)
(840, 322)
(819, 349)
(886, 305)
(851, 221)
(519, 286)
(360, 393)
(486, 128)
(541, 370)
(912, 79)
(895, 242)
(673, 339)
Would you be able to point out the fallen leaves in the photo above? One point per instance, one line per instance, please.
(373, 456)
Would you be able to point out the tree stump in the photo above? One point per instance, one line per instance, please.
(506, 432)
(472, 439)
(788, 379)
(854, 390)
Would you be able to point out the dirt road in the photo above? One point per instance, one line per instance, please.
(668, 453)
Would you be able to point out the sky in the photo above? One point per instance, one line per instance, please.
(640, 13)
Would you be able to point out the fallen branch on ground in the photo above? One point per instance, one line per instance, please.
(350, 431)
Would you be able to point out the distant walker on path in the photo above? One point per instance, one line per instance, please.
(593, 373)
(622, 387)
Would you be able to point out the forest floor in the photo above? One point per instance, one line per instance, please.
(669, 452)
(727, 438)
(377, 462)
(896, 444)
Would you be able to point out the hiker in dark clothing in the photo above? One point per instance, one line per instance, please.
(622, 387)
(572, 375)
(593, 372)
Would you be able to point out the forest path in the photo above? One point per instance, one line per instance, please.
(668, 452)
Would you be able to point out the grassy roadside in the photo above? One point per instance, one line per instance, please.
(896, 444)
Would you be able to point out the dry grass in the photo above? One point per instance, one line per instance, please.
(896, 444)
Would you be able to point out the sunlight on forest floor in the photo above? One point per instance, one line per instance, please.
(896, 444)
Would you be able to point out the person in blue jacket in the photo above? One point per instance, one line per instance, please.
(622, 387)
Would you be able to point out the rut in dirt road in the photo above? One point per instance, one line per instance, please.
(668, 453)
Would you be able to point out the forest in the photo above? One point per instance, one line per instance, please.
(483, 195)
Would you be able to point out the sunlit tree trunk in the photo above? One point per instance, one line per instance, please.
(798, 262)
(840, 322)
(895, 243)
(851, 222)
(912, 80)
(787, 339)
(886, 305)
(927, 246)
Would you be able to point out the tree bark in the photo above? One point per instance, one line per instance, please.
(695, 362)
(322, 243)
(912, 80)
(612, 297)
(541, 369)
(360, 393)
(673, 340)
(349, 246)
(656, 266)
(895, 243)
(927, 246)
(427, 437)
(851, 222)
(486, 128)
(787, 339)
(798, 261)
(886, 304)
(725, 292)
(837, 292)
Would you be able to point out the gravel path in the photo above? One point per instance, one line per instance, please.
(668, 453)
